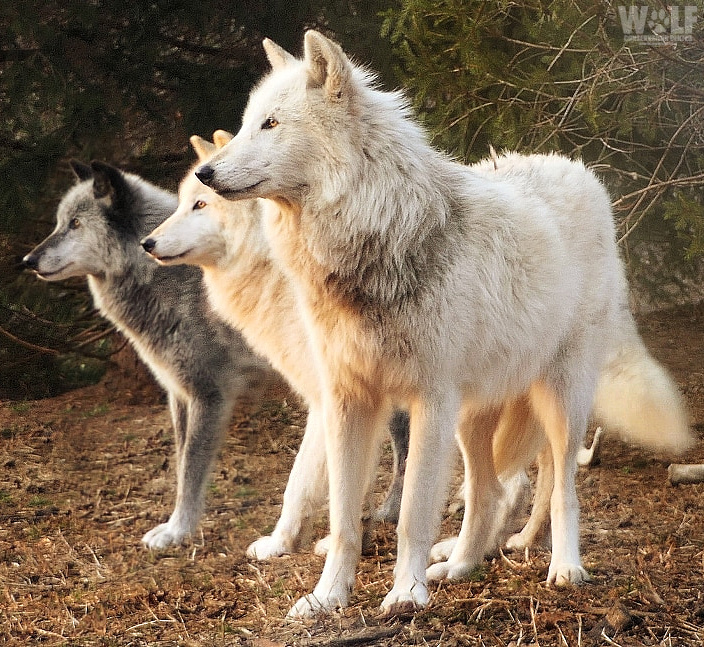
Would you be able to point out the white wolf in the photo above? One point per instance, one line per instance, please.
(227, 240)
(425, 282)
(249, 292)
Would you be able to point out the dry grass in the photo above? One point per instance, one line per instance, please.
(84, 475)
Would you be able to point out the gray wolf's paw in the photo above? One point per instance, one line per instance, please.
(441, 551)
(268, 547)
(165, 535)
(567, 574)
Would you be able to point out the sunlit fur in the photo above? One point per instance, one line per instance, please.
(466, 296)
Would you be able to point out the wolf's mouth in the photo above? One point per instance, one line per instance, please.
(234, 193)
(169, 259)
(47, 275)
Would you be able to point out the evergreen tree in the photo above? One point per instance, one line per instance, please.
(544, 75)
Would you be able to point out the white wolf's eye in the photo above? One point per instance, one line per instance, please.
(269, 123)
(200, 204)
(74, 224)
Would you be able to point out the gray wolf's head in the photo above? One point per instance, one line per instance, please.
(94, 222)
(300, 127)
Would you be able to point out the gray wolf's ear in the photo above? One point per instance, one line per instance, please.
(82, 171)
(277, 55)
(328, 67)
(108, 182)
(203, 148)
(222, 137)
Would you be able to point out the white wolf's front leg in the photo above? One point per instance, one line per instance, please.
(425, 489)
(351, 441)
(304, 495)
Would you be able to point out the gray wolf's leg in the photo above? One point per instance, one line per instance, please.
(207, 416)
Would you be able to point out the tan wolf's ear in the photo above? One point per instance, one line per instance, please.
(203, 148)
(277, 55)
(328, 66)
(222, 137)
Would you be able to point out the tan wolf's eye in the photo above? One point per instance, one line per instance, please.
(200, 204)
(74, 224)
(269, 123)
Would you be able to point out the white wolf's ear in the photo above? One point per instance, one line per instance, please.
(328, 66)
(277, 55)
(82, 171)
(203, 148)
(222, 137)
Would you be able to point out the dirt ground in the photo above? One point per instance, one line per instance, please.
(83, 476)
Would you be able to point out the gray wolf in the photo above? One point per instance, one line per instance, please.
(248, 291)
(202, 363)
(473, 300)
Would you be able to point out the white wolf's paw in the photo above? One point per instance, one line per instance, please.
(441, 551)
(517, 542)
(165, 535)
(567, 574)
(312, 605)
(322, 546)
(449, 571)
(268, 547)
(400, 601)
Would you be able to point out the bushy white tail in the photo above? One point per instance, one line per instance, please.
(638, 400)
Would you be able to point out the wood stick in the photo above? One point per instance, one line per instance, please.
(685, 474)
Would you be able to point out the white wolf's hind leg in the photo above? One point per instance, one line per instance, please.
(482, 494)
(540, 512)
(565, 434)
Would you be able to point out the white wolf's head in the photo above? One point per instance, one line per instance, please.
(92, 221)
(206, 228)
(300, 127)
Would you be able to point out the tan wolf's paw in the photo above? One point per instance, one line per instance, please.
(449, 571)
(400, 603)
(322, 547)
(441, 551)
(165, 535)
(566, 575)
(312, 605)
(268, 547)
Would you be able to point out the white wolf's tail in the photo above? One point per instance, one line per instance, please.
(637, 399)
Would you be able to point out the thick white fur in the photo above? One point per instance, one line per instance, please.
(470, 298)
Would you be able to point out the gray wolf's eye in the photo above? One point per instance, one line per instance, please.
(269, 123)
(74, 224)
(200, 204)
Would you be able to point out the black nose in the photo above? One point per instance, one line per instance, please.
(149, 244)
(31, 262)
(205, 174)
